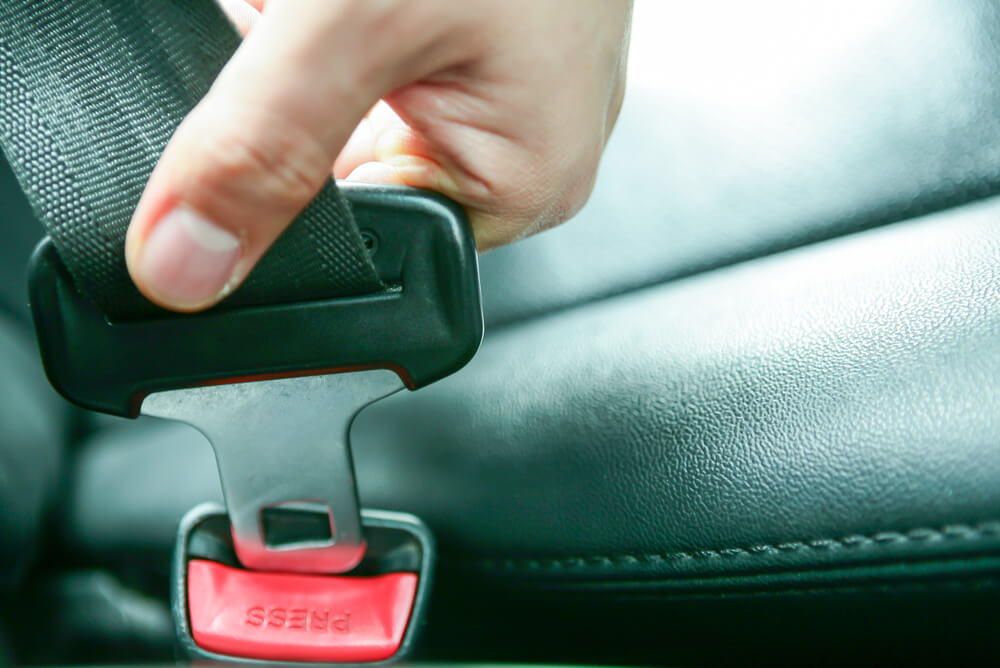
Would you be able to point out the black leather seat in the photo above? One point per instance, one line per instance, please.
(33, 430)
(702, 426)
(34, 421)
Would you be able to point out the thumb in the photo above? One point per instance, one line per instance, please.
(253, 153)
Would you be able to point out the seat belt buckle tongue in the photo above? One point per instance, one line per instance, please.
(298, 572)
(283, 453)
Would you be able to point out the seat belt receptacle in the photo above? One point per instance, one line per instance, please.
(372, 614)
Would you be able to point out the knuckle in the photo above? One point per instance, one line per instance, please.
(276, 171)
(241, 164)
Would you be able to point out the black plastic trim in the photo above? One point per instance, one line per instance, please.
(427, 324)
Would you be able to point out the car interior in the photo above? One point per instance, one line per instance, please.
(743, 408)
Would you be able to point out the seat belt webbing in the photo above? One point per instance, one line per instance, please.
(90, 92)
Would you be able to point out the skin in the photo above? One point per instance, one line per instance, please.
(504, 106)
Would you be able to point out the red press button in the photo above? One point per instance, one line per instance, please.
(284, 617)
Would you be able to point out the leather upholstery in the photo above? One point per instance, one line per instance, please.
(831, 406)
(792, 457)
(835, 403)
(33, 429)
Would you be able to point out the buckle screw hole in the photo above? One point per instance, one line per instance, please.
(370, 239)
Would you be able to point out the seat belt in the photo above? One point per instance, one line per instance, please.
(90, 93)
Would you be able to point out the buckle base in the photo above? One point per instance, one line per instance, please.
(300, 619)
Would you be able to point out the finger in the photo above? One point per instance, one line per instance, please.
(382, 118)
(377, 172)
(258, 147)
(359, 149)
(387, 151)
(400, 156)
(243, 14)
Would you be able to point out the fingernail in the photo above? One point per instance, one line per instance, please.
(188, 261)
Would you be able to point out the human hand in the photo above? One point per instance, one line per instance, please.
(503, 106)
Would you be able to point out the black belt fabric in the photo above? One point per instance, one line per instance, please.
(90, 92)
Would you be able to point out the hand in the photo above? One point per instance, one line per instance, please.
(503, 105)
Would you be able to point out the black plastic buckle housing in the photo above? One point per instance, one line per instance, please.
(427, 324)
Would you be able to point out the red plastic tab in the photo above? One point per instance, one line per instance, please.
(285, 617)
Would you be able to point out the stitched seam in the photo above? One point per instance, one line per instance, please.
(933, 585)
(950, 532)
